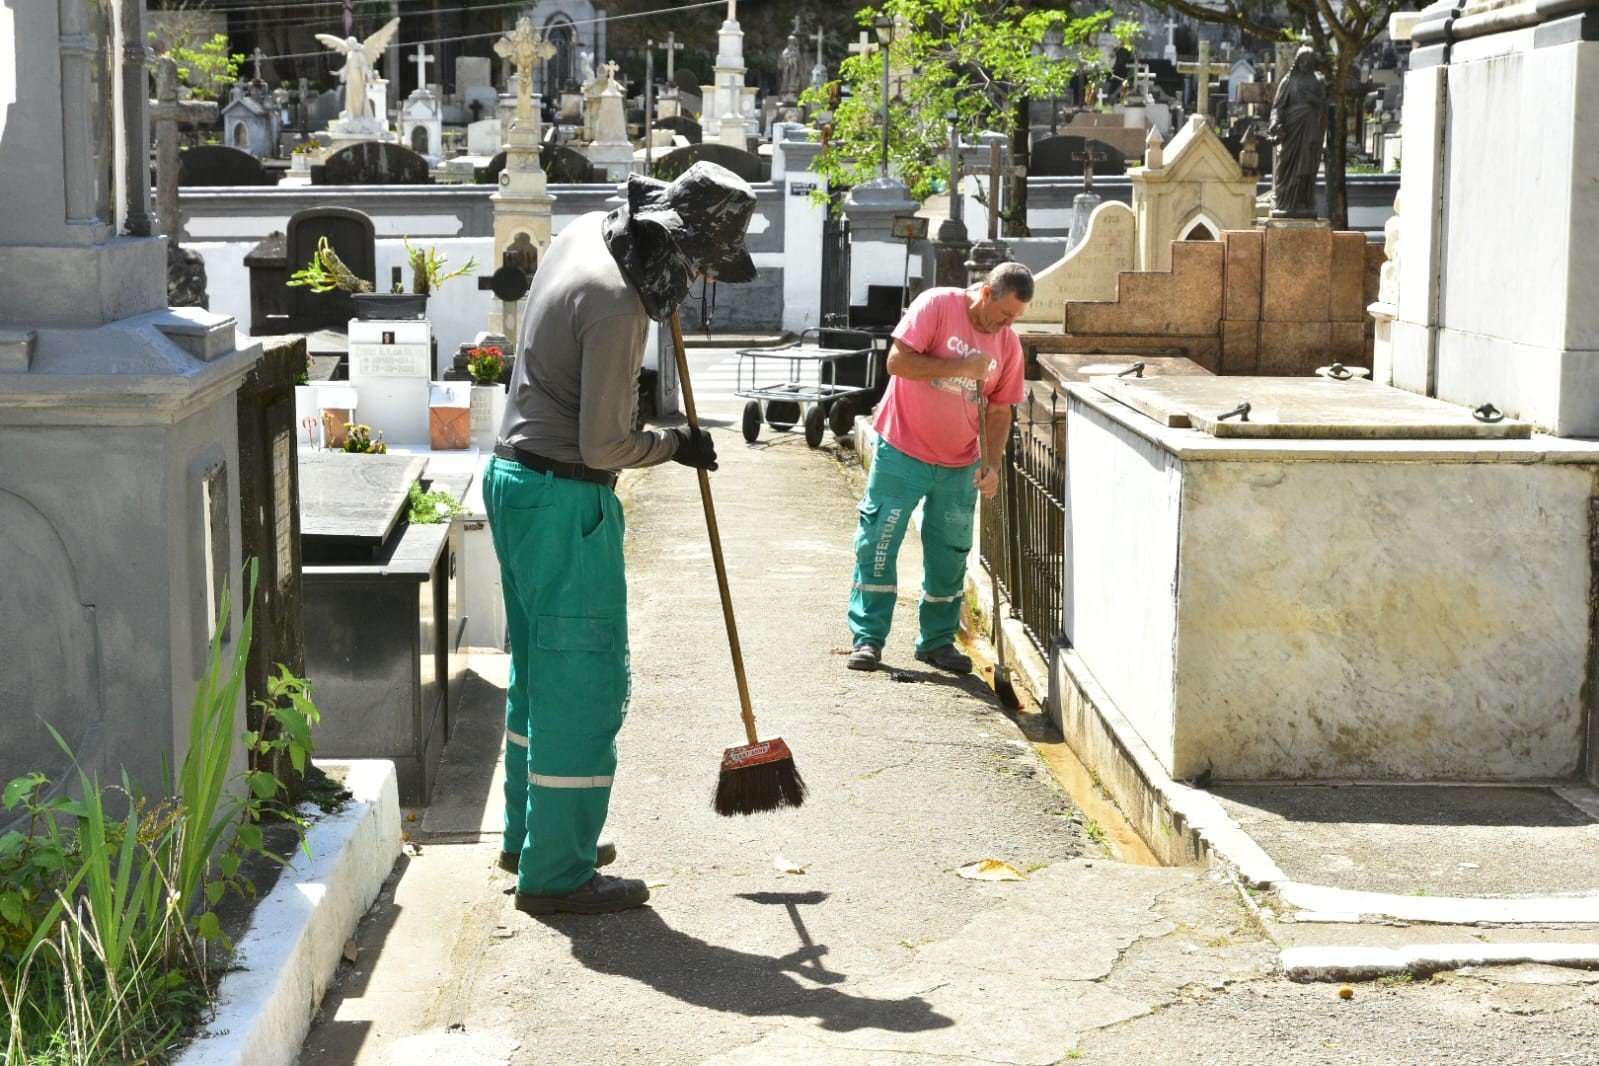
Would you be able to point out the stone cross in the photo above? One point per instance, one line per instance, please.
(525, 48)
(732, 10)
(610, 68)
(257, 56)
(1088, 157)
(421, 59)
(865, 46)
(995, 172)
(1171, 40)
(1203, 70)
(672, 46)
(818, 37)
(166, 113)
(796, 25)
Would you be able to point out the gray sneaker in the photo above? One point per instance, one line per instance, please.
(602, 895)
(606, 855)
(947, 657)
(866, 656)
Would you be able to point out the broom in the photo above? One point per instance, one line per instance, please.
(760, 775)
(1002, 686)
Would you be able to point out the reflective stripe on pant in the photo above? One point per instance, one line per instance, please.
(560, 548)
(949, 501)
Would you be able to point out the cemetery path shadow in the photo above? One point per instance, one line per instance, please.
(726, 979)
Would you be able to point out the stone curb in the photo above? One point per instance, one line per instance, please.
(1367, 963)
(297, 933)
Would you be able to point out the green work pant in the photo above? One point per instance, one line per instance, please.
(559, 543)
(948, 495)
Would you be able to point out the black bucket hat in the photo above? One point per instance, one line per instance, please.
(705, 210)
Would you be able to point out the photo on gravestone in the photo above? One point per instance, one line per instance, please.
(221, 165)
(1063, 157)
(373, 163)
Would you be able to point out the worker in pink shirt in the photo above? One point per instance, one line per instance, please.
(953, 347)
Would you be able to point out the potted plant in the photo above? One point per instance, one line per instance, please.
(300, 157)
(326, 272)
(486, 364)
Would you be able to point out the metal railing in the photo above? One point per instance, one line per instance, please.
(1023, 529)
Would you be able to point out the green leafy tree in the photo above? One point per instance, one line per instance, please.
(1338, 32)
(979, 60)
(207, 68)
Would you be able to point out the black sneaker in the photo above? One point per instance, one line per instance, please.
(866, 656)
(947, 657)
(605, 856)
(602, 895)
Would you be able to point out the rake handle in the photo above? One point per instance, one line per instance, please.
(745, 711)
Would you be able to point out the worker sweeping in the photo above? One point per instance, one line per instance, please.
(557, 523)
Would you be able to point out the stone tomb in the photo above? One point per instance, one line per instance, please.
(382, 618)
(1282, 607)
(373, 163)
(275, 307)
(1062, 156)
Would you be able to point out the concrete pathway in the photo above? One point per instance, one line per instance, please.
(878, 952)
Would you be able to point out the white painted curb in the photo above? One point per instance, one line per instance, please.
(297, 933)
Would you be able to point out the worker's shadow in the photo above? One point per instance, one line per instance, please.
(706, 975)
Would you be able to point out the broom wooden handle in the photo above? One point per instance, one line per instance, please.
(745, 711)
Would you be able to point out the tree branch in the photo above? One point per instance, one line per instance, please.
(1233, 16)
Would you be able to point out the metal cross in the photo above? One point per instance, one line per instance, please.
(1088, 157)
(1203, 70)
(166, 113)
(525, 48)
(421, 59)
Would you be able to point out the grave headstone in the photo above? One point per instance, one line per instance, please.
(391, 366)
(483, 137)
(372, 163)
(277, 308)
(1062, 156)
(218, 164)
(746, 165)
(682, 126)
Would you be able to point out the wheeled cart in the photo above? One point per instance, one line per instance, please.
(822, 380)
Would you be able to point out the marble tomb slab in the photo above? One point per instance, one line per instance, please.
(1305, 408)
(353, 497)
(1064, 367)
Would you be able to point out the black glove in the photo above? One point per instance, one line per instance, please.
(695, 448)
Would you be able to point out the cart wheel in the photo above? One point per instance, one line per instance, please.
(752, 420)
(841, 419)
(815, 423)
(782, 414)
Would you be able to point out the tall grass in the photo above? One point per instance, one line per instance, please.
(106, 902)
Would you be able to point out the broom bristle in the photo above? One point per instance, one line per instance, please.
(756, 778)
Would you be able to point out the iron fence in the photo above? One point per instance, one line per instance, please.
(1023, 529)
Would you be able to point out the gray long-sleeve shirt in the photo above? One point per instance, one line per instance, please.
(574, 391)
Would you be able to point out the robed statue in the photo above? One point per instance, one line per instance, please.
(359, 57)
(1297, 131)
(789, 71)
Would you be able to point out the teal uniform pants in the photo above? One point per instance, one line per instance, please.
(948, 495)
(559, 542)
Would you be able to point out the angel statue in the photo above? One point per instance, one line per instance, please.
(358, 59)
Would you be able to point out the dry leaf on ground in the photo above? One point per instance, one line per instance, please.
(990, 870)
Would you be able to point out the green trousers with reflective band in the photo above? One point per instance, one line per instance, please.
(949, 500)
(560, 548)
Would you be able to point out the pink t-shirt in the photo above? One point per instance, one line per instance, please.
(936, 421)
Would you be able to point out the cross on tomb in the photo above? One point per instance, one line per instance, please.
(732, 10)
(1171, 40)
(865, 46)
(525, 48)
(818, 37)
(166, 113)
(1203, 70)
(610, 69)
(995, 171)
(257, 56)
(1088, 157)
(672, 46)
(421, 59)
(796, 30)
